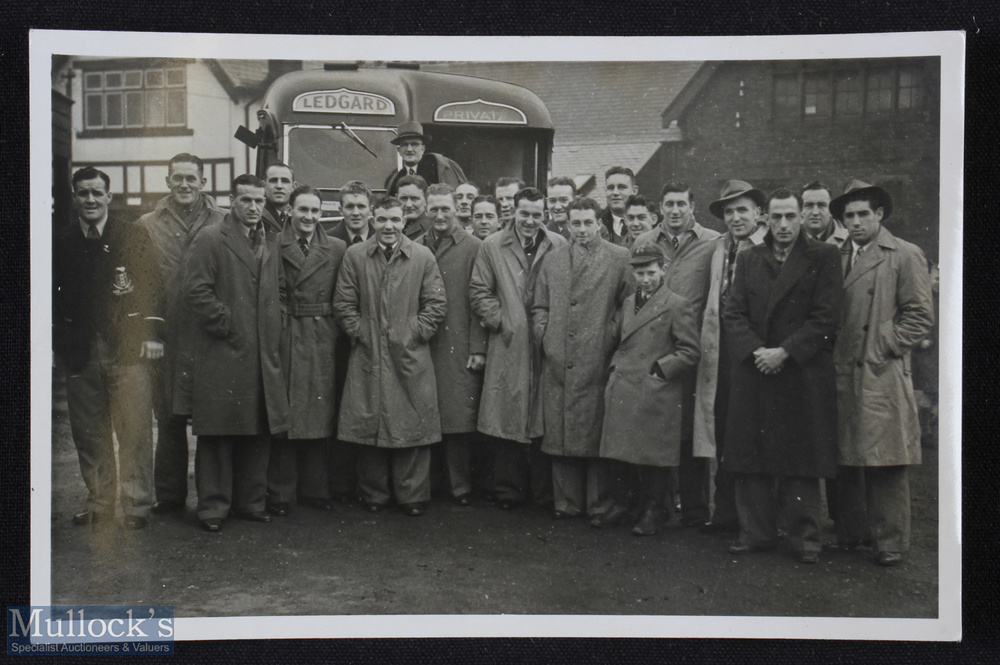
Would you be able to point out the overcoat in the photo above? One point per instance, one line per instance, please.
(888, 308)
(707, 379)
(432, 167)
(459, 336)
(310, 336)
(785, 423)
(642, 419)
(237, 302)
(172, 236)
(501, 289)
(687, 273)
(577, 297)
(390, 310)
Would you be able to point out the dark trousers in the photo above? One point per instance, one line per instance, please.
(342, 469)
(654, 482)
(106, 397)
(170, 471)
(874, 502)
(481, 464)
(521, 470)
(693, 478)
(231, 472)
(401, 472)
(578, 484)
(457, 449)
(757, 508)
(297, 467)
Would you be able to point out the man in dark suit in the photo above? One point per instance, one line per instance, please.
(781, 319)
(433, 168)
(619, 184)
(235, 290)
(279, 181)
(106, 301)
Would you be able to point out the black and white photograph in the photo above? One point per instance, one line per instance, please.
(561, 340)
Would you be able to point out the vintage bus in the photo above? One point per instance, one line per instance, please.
(335, 124)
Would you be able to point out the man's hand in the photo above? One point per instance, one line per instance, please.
(770, 361)
(477, 361)
(152, 350)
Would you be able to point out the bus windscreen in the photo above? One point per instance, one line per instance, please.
(326, 157)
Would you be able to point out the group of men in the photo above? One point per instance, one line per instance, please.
(592, 361)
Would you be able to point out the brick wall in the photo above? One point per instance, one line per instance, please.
(900, 153)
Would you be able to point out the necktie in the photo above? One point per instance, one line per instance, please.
(675, 242)
(252, 236)
(411, 171)
(640, 300)
(387, 251)
(857, 256)
(92, 233)
(304, 246)
(356, 239)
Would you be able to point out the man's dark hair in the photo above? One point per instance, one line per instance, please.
(486, 198)
(186, 158)
(677, 187)
(282, 165)
(386, 203)
(303, 190)
(528, 193)
(561, 181)
(356, 188)
(815, 185)
(469, 182)
(441, 189)
(640, 200)
(508, 180)
(89, 173)
(783, 193)
(584, 203)
(247, 179)
(417, 180)
(623, 170)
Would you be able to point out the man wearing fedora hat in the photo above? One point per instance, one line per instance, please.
(687, 246)
(888, 309)
(738, 206)
(411, 142)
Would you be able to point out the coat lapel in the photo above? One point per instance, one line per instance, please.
(237, 242)
(873, 255)
(318, 252)
(653, 308)
(513, 243)
(791, 272)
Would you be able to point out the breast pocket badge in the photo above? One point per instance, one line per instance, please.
(122, 282)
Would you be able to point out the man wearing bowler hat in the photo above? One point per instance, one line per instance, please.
(888, 309)
(739, 207)
(411, 142)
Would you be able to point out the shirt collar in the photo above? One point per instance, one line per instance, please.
(85, 227)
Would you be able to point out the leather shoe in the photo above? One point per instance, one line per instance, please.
(412, 509)
(612, 517)
(316, 503)
(889, 558)
(807, 557)
(164, 507)
(278, 509)
(848, 546)
(699, 522)
(87, 517)
(742, 548)
(464, 499)
(648, 524)
(133, 522)
(259, 516)
(564, 515)
(212, 524)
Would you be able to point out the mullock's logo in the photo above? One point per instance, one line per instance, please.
(91, 629)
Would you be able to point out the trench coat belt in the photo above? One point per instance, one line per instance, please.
(311, 309)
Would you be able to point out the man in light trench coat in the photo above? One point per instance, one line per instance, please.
(503, 281)
(888, 309)
(579, 290)
(458, 348)
(311, 261)
(390, 300)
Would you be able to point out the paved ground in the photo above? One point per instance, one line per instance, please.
(454, 560)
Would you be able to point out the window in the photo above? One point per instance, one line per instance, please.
(787, 98)
(879, 92)
(848, 93)
(911, 88)
(137, 99)
(816, 93)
